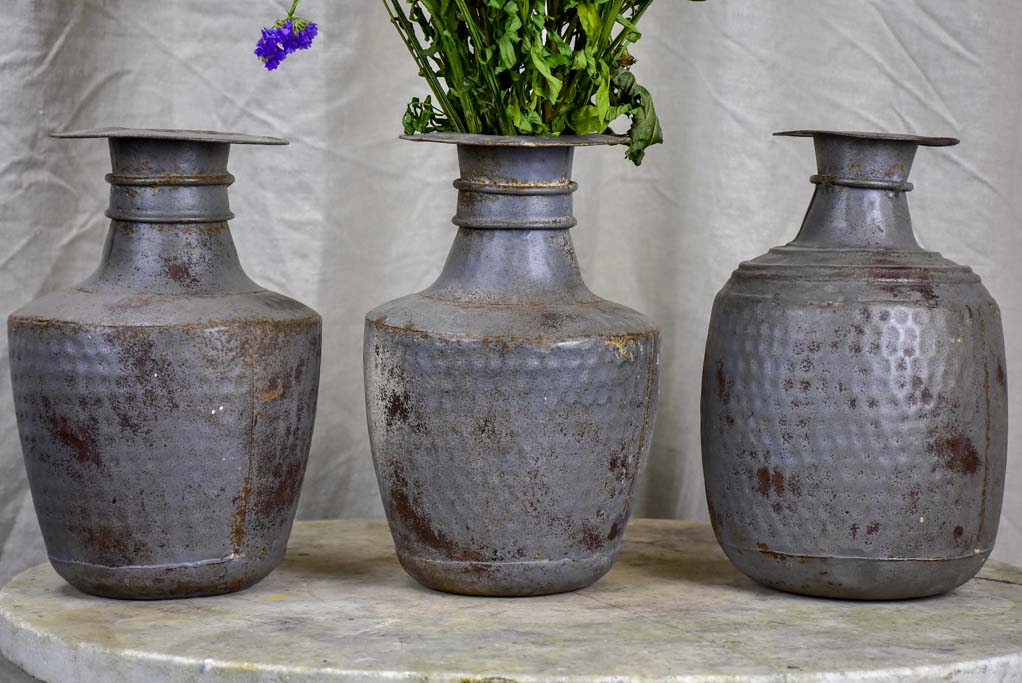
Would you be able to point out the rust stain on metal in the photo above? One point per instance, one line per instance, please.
(282, 492)
(398, 408)
(624, 345)
(777, 481)
(651, 388)
(405, 506)
(763, 481)
(538, 340)
(723, 384)
(767, 481)
(240, 516)
(79, 438)
(246, 322)
(764, 549)
(591, 537)
(957, 454)
(896, 281)
(912, 500)
(181, 274)
(109, 545)
(271, 394)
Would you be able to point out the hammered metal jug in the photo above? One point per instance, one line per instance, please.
(854, 405)
(166, 404)
(510, 408)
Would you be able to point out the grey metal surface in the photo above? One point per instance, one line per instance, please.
(923, 140)
(854, 410)
(114, 132)
(591, 140)
(510, 408)
(166, 404)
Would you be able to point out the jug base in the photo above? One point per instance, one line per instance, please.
(507, 579)
(856, 578)
(164, 582)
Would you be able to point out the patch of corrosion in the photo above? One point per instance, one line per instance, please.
(109, 545)
(399, 409)
(765, 549)
(724, 384)
(503, 340)
(181, 274)
(240, 516)
(271, 394)
(408, 511)
(768, 480)
(74, 326)
(591, 537)
(283, 492)
(893, 281)
(624, 345)
(79, 438)
(956, 453)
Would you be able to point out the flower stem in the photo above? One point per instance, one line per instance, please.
(291, 12)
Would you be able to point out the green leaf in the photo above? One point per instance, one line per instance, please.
(539, 56)
(645, 130)
(589, 17)
(603, 95)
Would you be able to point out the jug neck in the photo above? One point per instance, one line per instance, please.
(862, 181)
(514, 214)
(169, 210)
(169, 181)
(860, 199)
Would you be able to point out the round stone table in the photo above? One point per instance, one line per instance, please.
(341, 609)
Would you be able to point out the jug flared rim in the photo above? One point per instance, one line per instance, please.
(478, 140)
(887, 137)
(171, 134)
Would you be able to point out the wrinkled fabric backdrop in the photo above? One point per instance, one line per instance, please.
(349, 216)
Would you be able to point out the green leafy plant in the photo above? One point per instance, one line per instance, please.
(526, 67)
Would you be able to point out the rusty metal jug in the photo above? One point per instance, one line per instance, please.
(854, 406)
(166, 404)
(510, 408)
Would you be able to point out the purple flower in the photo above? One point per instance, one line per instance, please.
(305, 36)
(285, 37)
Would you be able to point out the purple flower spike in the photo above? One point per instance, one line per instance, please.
(285, 37)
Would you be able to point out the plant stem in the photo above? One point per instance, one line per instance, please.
(407, 32)
(491, 80)
(615, 46)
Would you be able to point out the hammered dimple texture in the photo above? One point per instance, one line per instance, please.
(510, 409)
(853, 421)
(498, 452)
(166, 404)
(166, 460)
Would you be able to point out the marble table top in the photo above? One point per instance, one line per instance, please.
(341, 609)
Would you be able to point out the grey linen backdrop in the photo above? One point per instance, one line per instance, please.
(348, 216)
